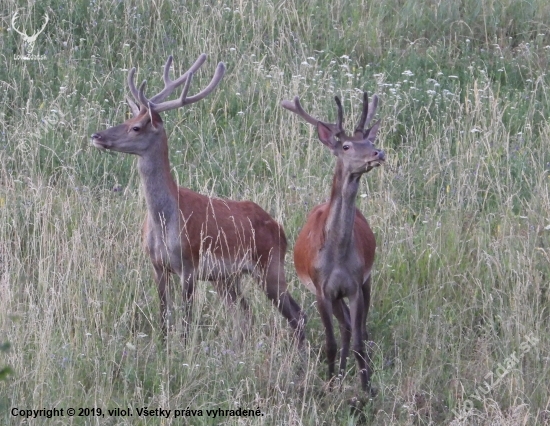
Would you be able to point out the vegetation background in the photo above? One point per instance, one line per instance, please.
(461, 210)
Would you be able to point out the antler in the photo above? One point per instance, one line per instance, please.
(340, 122)
(338, 128)
(366, 115)
(296, 108)
(171, 85)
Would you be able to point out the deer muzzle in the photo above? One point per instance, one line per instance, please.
(99, 142)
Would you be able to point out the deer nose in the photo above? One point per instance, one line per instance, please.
(381, 155)
(96, 136)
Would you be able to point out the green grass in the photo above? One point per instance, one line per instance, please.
(461, 210)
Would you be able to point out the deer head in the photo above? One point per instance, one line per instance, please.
(357, 152)
(28, 41)
(141, 132)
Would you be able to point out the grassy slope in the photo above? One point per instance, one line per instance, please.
(459, 211)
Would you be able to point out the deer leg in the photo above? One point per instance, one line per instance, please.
(358, 329)
(366, 300)
(366, 305)
(276, 289)
(341, 312)
(162, 278)
(188, 286)
(325, 311)
(230, 291)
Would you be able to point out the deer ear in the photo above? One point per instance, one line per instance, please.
(156, 121)
(325, 135)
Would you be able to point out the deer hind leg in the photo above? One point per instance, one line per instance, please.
(187, 280)
(341, 312)
(276, 289)
(162, 278)
(366, 302)
(358, 330)
(366, 305)
(230, 291)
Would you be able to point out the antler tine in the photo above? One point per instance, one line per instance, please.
(183, 99)
(171, 85)
(369, 109)
(185, 90)
(296, 108)
(360, 128)
(141, 95)
(175, 103)
(340, 122)
(132, 86)
(166, 74)
(372, 109)
(218, 75)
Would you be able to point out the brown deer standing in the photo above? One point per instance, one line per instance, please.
(189, 234)
(334, 252)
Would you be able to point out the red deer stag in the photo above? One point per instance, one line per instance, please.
(335, 249)
(189, 234)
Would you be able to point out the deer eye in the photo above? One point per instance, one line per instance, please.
(136, 129)
(346, 147)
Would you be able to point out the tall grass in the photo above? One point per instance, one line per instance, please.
(461, 211)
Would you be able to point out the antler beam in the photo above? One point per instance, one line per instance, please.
(155, 102)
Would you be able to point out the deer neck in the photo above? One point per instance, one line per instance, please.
(341, 212)
(161, 191)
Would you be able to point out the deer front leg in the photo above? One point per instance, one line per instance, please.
(187, 286)
(341, 312)
(358, 329)
(161, 279)
(325, 311)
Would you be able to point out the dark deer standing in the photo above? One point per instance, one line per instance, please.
(334, 252)
(189, 234)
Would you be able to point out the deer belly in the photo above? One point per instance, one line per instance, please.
(212, 267)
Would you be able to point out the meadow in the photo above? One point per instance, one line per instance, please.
(461, 210)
